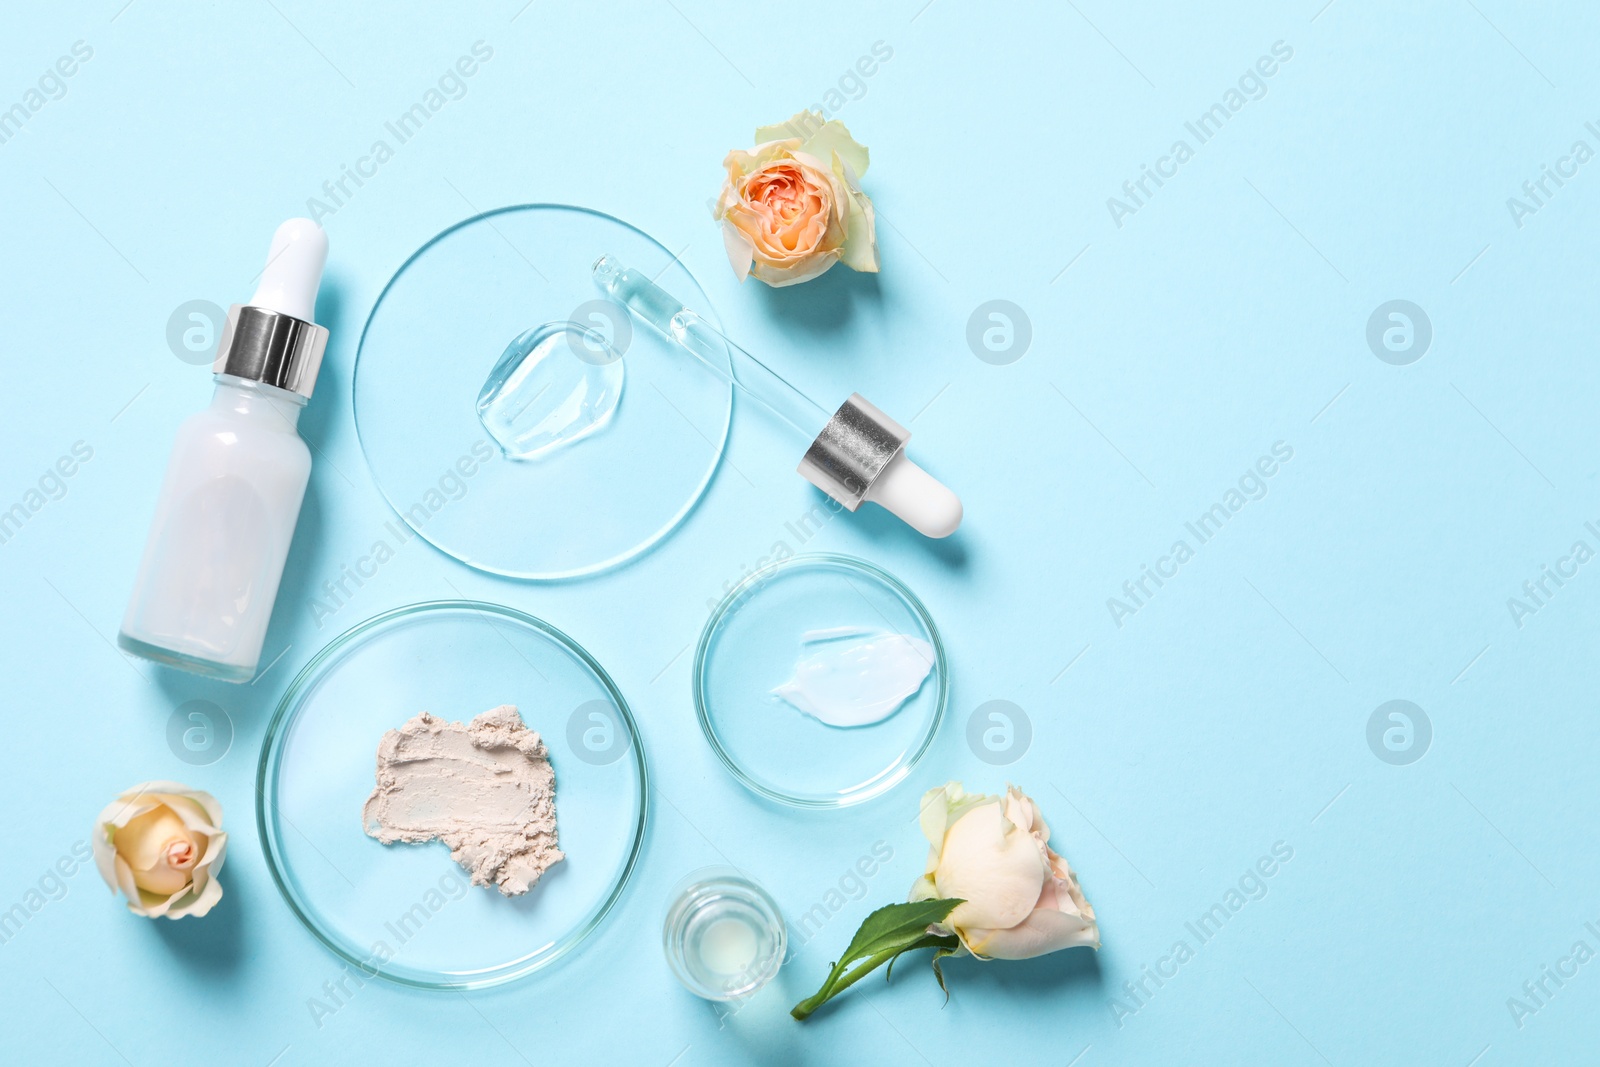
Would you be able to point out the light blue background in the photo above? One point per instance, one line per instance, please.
(1227, 314)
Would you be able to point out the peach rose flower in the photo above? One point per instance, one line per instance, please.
(161, 844)
(792, 206)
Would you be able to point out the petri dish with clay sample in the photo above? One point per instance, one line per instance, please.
(505, 694)
(820, 681)
(515, 418)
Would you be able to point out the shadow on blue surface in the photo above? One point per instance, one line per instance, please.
(822, 307)
(212, 947)
(887, 531)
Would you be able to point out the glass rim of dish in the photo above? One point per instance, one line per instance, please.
(271, 756)
(748, 585)
(396, 505)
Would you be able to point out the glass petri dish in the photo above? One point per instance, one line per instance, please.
(751, 646)
(432, 348)
(407, 911)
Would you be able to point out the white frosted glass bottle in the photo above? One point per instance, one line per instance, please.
(228, 506)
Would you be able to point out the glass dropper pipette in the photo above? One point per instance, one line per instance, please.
(857, 453)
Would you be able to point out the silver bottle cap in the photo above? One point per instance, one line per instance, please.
(852, 451)
(261, 345)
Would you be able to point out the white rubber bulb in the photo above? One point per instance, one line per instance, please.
(294, 270)
(919, 499)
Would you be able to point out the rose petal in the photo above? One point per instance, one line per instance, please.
(143, 841)
(1021, 809)
(202, 903)
(194, 814)
(123, 879)
(778, 276)
(818, 137)
(215, 852)
(834, 139)
(799, 127)
(860, 249)
(1066, 883)
(105, 855)
(1040, 933)
(993, 866)
(941, 808)
(126, 808)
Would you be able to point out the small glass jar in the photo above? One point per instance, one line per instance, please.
(724, 936)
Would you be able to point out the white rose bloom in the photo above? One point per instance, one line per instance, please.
(161, 844)
(1020, 899)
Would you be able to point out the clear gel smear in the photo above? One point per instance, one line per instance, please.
(555, 385)
(856, 683)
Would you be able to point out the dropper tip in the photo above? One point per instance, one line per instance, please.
(293, 272)
(917, 498)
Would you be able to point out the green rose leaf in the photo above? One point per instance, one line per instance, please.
(883, 936)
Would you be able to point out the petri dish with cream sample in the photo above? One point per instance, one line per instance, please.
(401, 905)
(820, 681)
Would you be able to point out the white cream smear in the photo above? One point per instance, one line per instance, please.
(484, 788)
(857, 683)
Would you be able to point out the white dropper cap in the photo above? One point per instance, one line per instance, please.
(919, 499)
(293, 271)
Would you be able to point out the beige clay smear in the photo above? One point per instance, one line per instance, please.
(485, 788)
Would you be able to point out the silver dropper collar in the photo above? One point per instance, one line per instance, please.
(852, 451)
(261, 345)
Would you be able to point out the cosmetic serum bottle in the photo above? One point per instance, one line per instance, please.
(233, 488)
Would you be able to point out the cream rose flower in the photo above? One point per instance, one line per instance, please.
(792, 206)
(161, 844)
(993, 889)
(1019, 899)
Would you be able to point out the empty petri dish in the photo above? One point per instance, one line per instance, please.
(514, 417)
(407, 911)
(820, 681)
